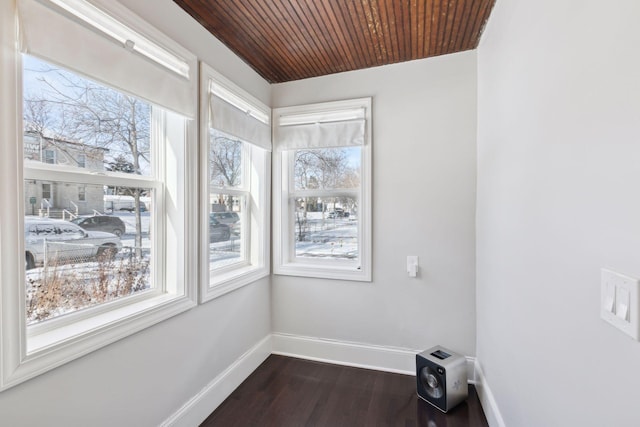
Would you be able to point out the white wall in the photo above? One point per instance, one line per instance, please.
(558, 174)
(143, 379)
(424, 178)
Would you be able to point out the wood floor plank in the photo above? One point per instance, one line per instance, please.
(290, 392)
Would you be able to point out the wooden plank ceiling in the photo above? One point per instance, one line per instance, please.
(285, 40)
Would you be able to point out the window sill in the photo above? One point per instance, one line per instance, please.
(230, 281)
(323, 272)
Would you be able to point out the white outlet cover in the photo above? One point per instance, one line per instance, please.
(627, 286)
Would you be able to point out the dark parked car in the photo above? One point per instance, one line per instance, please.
(225, 217)
(338, 213)
(110, 224)
(143, 208)
(218, 232)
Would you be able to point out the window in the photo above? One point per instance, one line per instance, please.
(322, 203)
(73, 122)
(80, 288)
(236, 134)
(46, 193)
(50, 157)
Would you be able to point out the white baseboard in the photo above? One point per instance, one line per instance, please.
(487, 400)
(200, 406)
(390, 359)
(359, 355)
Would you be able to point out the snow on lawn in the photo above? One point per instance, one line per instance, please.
(129, 219)
(328, 238)
(222, 254)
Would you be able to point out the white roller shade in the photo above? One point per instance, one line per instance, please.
(148, 64)
(336, 124)
(241, 124)
(234, 114)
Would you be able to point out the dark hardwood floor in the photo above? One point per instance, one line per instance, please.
(285, 392)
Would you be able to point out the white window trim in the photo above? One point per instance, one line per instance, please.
(28, 353)
(257, 265)
(284, 260)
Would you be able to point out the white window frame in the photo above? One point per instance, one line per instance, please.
(256, 187)
(30, 351)
(46, 157)
(285, 260)
(50, 191)
(81, 161)
(82, 191)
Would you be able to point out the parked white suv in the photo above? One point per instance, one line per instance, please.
(66, 242)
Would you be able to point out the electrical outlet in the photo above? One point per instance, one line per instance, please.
(619, 302)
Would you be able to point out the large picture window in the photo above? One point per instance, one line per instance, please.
(69, 267)
(323, 198)
(102, 208)
(236, 134)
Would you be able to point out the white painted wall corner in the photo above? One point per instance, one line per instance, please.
(487, 400)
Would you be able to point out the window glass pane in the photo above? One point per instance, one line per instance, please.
(49, 156)
(76, 255)
(327, 168)
(73, 121)
(226, 160)
(225, 230)
(326, 227)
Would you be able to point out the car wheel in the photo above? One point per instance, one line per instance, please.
(29, 262)
(117, 232)
(107, 252)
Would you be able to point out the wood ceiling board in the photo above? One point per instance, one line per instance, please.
(285, 40)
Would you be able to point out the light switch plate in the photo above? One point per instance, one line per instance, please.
(619, 302)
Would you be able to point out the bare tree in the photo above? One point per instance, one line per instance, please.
(318, 169)
(225, 162)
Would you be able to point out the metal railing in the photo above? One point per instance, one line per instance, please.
(71, 214)
(45, 207)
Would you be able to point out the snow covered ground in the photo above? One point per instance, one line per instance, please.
(327, 237)
(129, 219)
(323, 238)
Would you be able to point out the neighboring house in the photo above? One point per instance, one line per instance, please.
(50, 198)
